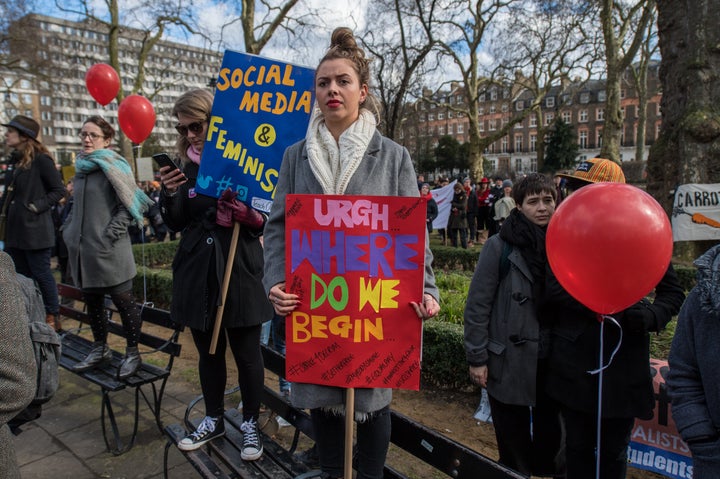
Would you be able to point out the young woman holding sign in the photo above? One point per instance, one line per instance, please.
(341, 151)
(198, 272)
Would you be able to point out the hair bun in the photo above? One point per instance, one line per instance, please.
(343, 38)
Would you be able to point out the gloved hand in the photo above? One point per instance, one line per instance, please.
(640, 318)
(229, 209)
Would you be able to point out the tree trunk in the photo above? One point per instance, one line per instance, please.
(688, 148)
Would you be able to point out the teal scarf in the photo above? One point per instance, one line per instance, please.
(120, 175)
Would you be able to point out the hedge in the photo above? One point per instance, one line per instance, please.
(444, 363)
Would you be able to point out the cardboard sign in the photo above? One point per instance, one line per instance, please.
(261, 107)
(356, 262)
(655, 444)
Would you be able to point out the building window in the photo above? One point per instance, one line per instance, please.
(550, 102)
(519, 105)
(431, 116)
(583, 116)
(451, 115)
(504, 144)
(549, 117)
(481, 97)
(481, 126)
(599, 138)
(518, 143)
(532, 122)
(533, 142)
(583, 139)
(567, 116)
(441, 116)
(566, 99)
(441, 130)
(492, 125)
(504, 107)
(600, 114)
(533, 164)
(622, 93)
(481, 110)
(493, 95)
(602, 96)
(518, 164)
(585, 97)
(460, 128)
(492, 108)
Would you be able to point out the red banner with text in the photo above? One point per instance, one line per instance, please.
(356, 262)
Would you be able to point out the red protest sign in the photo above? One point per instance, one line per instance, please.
(356, 262)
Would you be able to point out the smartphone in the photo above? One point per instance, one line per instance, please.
(163, 159)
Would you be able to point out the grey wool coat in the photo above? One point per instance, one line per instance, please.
(493, 316)
(96, 233)
(17, 362)
(385, 170)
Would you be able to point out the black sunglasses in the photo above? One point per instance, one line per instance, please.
(196, 127)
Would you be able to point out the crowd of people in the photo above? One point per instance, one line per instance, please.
(527, 341)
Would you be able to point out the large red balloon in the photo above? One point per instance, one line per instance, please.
(136, 116)
(609, 244)
(102, 82)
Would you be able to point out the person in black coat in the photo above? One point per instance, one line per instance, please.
(573, 363)
(198, 272)
(32, 187)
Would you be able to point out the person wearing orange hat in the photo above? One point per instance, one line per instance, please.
(574, 356)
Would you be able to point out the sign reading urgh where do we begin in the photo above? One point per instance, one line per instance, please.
(356, 262)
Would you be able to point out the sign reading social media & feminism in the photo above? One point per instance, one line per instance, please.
(261, 107)
(356, 262)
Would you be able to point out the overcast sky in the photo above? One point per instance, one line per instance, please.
(211, 15)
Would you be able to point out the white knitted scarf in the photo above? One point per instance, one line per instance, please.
(333, 164)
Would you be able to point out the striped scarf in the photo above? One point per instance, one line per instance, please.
(120, 175)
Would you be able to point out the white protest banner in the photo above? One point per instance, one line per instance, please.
(696, 212)
(443, 197)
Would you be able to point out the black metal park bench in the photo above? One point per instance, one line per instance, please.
(150, 380)
(220, 458)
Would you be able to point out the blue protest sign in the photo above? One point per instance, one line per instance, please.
(261, 107)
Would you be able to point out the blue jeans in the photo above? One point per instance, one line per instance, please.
(278, 338)
(35, 264)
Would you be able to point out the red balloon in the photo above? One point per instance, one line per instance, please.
(609, 245)
(136, 116)
(102, 82)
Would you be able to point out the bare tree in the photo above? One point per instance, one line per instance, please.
(536, 44)
(688, 149)
(639, 72)
(400, 38)
(461, 34)
(623, 25)
(550, 44)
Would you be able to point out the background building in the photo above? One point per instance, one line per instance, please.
(59, 52)
(580, 104)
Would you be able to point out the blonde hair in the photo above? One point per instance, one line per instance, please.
(197, 104)
(343, 45)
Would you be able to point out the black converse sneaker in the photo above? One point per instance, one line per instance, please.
(209, 429)
(252, 444)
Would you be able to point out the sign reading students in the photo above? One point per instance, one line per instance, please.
(356, 262)
(261, 107)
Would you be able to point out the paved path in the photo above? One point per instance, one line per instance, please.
(67, 442)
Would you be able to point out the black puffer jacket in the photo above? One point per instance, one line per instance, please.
(575, 347)
(199, 264)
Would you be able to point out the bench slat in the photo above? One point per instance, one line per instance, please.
(199, 459)
(282, 464)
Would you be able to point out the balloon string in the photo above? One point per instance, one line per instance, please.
(617, 346)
